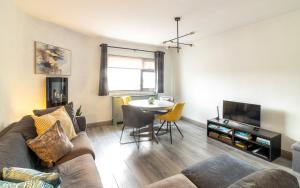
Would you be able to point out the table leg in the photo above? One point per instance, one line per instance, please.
(154, 137)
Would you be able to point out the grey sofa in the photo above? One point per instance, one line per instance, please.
(224, 171)
(77, 168)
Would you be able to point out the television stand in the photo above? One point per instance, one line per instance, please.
(256, 128)
(256, 141)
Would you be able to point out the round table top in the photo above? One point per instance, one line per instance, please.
(157, 105)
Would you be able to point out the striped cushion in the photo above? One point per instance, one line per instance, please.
(17, 175)
(43, 123)
(26, 184)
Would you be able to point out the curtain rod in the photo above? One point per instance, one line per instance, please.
(134, 49)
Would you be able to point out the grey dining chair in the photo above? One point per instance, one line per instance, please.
(134, 117)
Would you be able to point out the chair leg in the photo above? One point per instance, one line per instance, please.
(170, 131)
(134, 135)
(168, 126)
(139, 138)
(122, 133)
(178, 129)
(152, 131)
(160, 127)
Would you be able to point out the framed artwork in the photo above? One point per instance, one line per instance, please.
(52, 60)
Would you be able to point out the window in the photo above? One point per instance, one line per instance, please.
(130, 74)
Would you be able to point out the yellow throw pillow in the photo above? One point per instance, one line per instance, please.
(65, 121)
(43, 123)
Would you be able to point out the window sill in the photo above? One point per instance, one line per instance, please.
(133, 93)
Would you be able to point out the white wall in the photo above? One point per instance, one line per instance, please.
(21, 90)
(258, 63)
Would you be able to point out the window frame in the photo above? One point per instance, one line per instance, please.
(141, 90)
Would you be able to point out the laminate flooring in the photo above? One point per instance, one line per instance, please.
(127, 167)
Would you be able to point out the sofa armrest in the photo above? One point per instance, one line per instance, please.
(81, 123)
(296, 146)
(178, 181)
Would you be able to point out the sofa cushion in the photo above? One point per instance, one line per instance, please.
(68, 107)
(178, 181)
(52, 145)
(82, 145)
(213, 172)
(274, 178)
(14, 152)
(79, 172)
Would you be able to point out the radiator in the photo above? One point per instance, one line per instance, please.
(117, 102)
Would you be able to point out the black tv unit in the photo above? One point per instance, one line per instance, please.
(227, 133)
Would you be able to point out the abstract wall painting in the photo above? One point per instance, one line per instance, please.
(52, 60)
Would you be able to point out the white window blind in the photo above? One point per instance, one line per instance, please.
(130, 74)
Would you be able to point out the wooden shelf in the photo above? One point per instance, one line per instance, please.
(252, 141)
(273, 150)
(221, 132)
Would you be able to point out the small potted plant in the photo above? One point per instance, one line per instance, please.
(78, 111)
(151, 100)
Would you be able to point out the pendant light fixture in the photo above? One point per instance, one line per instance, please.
(170, 43)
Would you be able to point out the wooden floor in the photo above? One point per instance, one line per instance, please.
(126, 166)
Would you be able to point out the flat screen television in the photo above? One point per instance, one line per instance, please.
(242, 112)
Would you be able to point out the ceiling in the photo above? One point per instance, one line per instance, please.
(152, 21)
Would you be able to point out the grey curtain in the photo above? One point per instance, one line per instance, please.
(159, 70)
(103, 86)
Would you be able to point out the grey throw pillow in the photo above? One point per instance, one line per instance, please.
(68, 107)
(270, 178)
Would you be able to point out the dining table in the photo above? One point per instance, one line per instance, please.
(156, 107)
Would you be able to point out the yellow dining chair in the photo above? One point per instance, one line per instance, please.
(171, 117)
(126, 99)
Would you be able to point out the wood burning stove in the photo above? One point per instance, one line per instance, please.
(56, 91)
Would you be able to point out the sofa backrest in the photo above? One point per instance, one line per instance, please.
(13, 149)
(25, 127)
